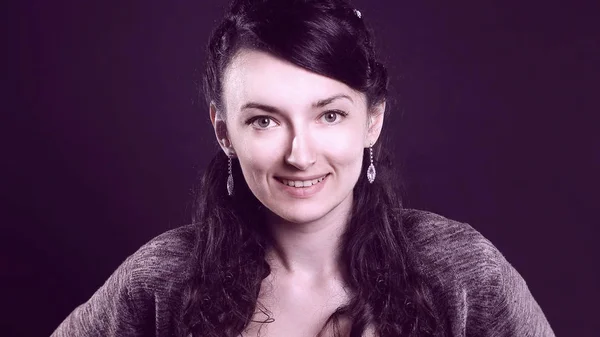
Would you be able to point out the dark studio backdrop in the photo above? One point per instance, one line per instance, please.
(492, 123)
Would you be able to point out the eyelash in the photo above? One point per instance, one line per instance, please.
(255, 118)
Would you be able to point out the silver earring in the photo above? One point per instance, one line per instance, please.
(371, 170)
(230, 180)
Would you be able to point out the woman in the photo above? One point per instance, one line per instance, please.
(299, 228)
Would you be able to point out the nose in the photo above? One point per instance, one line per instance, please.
(301, 154)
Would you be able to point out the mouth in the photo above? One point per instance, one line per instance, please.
(301, 184)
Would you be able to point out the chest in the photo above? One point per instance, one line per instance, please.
(295, 311)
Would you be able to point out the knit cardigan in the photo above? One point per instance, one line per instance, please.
(480, 292)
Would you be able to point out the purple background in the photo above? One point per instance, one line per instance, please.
(492, 124)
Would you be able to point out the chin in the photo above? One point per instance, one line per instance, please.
(300, 215)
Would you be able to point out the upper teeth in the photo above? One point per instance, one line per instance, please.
(297, 183)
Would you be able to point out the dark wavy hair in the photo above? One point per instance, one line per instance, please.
(329, 38)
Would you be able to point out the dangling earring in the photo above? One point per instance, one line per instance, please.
(230, 180)
(371, 170)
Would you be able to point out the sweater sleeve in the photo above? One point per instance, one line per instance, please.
(515, 311)
(479, 292)
(141, 297)
(113, 310)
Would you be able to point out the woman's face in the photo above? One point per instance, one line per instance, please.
(284, 122)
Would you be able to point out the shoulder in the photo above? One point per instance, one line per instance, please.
(161, 264)
(453, 254)
(165, 251)
(481, 292)
(461, 265)
(448, 245)
(156, 272)
(142, 296)
(156, 277)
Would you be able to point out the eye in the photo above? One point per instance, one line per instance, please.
(332, 116)
(260, 122)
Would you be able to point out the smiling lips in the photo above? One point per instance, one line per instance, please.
(301, 183)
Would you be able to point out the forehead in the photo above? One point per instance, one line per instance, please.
(261, 77)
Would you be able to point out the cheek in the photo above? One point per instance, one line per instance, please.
(257, 156)
(344, 147)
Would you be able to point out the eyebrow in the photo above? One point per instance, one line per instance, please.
(317, 104)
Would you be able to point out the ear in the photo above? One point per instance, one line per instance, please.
(221, 133)
(374, 124)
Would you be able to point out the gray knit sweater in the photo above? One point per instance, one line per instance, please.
(482, 294)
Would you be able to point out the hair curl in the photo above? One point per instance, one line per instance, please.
(228, 265)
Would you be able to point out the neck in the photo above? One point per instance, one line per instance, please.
(309, 251)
